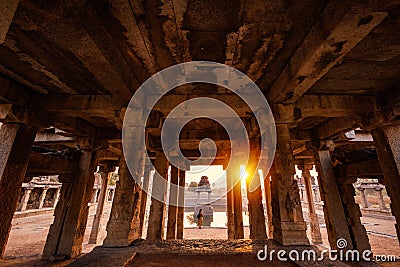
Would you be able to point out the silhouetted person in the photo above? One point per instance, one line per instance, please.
(200, 217)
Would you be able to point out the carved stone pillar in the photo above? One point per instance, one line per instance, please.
(387, 143)
(268, 203)
(364, 200)
(94, 196)
(229, 205)
(173, 201)
(25, 198)
(42, 197)
(359, 237)
(105, 177)
(254, 197)
(122, 228)
(15, 149)
(155, 229)
(70, 216)
(143, 201)
(381, 201)
(233, 175)
(314, 222)
(181, 205)
(56, 196)
(288, 222)
(335, 216)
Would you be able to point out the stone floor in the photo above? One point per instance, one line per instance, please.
(28, 236)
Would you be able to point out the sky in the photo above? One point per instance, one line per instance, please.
(216, 174)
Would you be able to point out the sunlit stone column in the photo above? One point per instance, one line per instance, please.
(15, 149)
(314, 222)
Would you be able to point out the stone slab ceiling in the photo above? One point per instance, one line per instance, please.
(79, 62)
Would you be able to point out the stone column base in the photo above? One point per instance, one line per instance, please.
(291, 233)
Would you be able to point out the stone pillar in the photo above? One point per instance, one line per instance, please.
(255, 206)
(94, 196)
(173, 201)
(387, 144)
(268, 203)
(317, 195)
(382, 205)
(121, 227)
(105, 177)
(25, 198)
(155, 229)
(42, 197)
(358, 234)
(335, 217)
(229, 204)
(56, 197)
(364, 200)
(288, 222)
(65, 236)
(233, 173)
(181, 205)
(15, 149)
(143, 200)
(314, 222)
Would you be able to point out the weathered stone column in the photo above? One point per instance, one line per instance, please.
(143, 197)
(268, 203)
(42, 197)
(288, 222)
(257, 225)
(65, 236)
(229, 205)
(181, 205)
(56, 197)
(358, 233)
(105, 177)
(25, 198)
(382, 205)
(258, 229)
(155, 229)
(364, 200)
(121, 227)
(94, 196)
(387, 143)
(314, 222)
(173, 200)
(335, 217)
(15, 149)
(233, 173)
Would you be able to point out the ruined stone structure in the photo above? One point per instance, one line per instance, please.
(329, 70)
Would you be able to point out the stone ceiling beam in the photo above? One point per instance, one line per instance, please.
(333, 127)
(341, 27)
(40, 164)
(169, 102)
(7, 11)
(95, 104)
(366, 169)
(333, 105)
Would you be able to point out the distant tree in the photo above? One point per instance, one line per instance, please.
(192, 186)
(113, 179)
(190, 218)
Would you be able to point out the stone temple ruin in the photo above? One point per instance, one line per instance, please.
(330, 71)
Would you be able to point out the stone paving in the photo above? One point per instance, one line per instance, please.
(28, 236)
